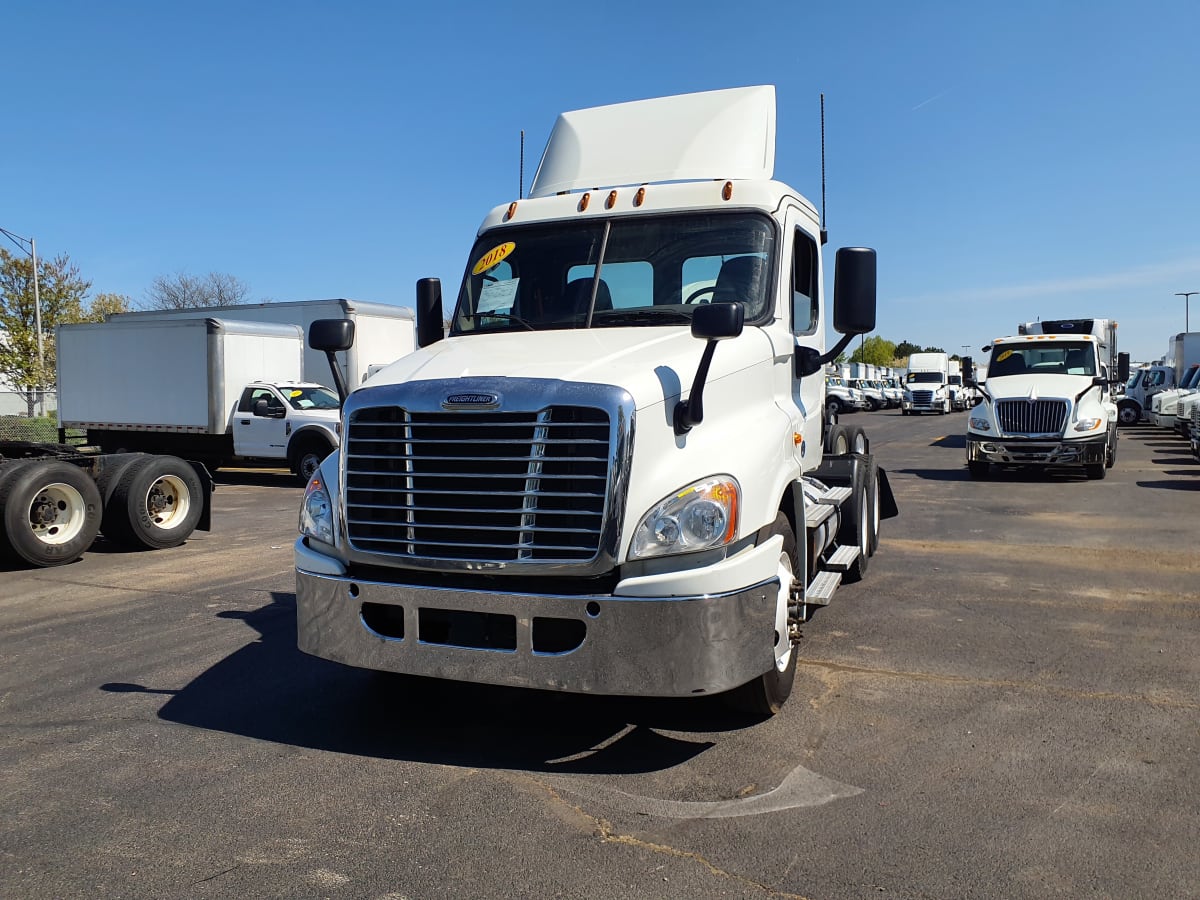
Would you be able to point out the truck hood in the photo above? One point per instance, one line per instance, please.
(1035, 387)
(652, 364)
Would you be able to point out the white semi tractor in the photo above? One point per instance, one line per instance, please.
(1048, 400)
(611, 476)
(927, 385)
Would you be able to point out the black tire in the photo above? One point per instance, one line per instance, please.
(857, 437)
(1129, 413)
(979, 468)
(1095, 471)
(904, 412)
(833, 407)
(858, 520)
(1110, 455)
(307, 455)
(156, 503)
(837, 440)
(51, 512)
(765, 695)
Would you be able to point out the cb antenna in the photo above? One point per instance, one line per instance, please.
(824, 233)
(521, 189)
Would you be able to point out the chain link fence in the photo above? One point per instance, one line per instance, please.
(31, 416)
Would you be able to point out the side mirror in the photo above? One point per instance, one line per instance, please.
(1122, 367)
(430, 320)
(332, 335)
(261, 408)
(854, 290)
(711, 322)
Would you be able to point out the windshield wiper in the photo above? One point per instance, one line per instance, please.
(494, 315)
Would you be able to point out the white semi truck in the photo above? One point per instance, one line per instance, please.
(232, 391)
(927, 385)
(611, 476)
(1047, 401)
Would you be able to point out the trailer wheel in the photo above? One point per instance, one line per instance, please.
(51, 512)
(860, 518)
(766, 694)
(156, 503)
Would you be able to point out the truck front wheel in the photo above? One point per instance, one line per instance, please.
(1129, 413)
(50, 510)
(766, 694)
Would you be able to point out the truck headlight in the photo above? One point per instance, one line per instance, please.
(316, 512)
(980, 424)
(701, 516)
(1088, 424)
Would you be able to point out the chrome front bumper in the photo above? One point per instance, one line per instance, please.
(1034, 452)
(660, 647)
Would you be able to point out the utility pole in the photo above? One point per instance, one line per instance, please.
(1186, 295)
(37, 316)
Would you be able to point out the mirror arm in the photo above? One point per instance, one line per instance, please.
(690, 412)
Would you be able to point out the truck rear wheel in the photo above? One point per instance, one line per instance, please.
(837, 440)
(156, 503)
(51, 511)
(766, 694)
(860, 519)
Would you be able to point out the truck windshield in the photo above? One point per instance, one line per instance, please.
(1043, 358)
(312, 398)
(616, 272)
(925, 378)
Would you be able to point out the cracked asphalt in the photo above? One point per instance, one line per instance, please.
(1008, 706)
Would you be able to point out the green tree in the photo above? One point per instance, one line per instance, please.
(904, 349)
(61, 293)
(874, 351)
(105, 305)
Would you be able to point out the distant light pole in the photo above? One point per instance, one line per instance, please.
(1185, 295)
(37, 312)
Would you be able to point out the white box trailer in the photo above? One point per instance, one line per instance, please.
(382, 333)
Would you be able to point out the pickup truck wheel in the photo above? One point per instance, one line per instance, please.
(1129, 413)
(51, 512)
(307, 457)
(155, 504)
(766, 694)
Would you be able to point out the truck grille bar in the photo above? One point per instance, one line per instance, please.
(484, 486)
(922, 396)
(1028, 417)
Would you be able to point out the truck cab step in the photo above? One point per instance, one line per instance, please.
(836, 495)
(842, 559)
(822, 588)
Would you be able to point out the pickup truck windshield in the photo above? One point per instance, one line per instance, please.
(312, 398)
(633, 272)
(1043, 358)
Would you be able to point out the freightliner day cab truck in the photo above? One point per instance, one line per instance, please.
(927, 385)
(610, 477)
(232, 392)
(1047, 401)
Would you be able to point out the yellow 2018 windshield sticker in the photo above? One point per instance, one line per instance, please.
(296, 394)
(493, 257)
(1003, 356)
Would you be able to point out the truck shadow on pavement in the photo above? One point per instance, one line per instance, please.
(270, 691)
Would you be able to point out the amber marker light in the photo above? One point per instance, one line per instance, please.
(584, 201)
(640, 197)
(727, 191)
(512, 210)
(611, 201)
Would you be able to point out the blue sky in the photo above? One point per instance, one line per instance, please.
(1008, 161)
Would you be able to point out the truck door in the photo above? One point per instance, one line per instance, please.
(802, 288)
(256, 434)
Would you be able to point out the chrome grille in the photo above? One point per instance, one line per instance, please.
(481, 486)
(1031, 416)
(922, 396)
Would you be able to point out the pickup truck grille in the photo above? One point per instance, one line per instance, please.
(480, 486)
(1031, 416)
(922, 396)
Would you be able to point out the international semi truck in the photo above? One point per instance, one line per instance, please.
(1048, 400)
(611, 476)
